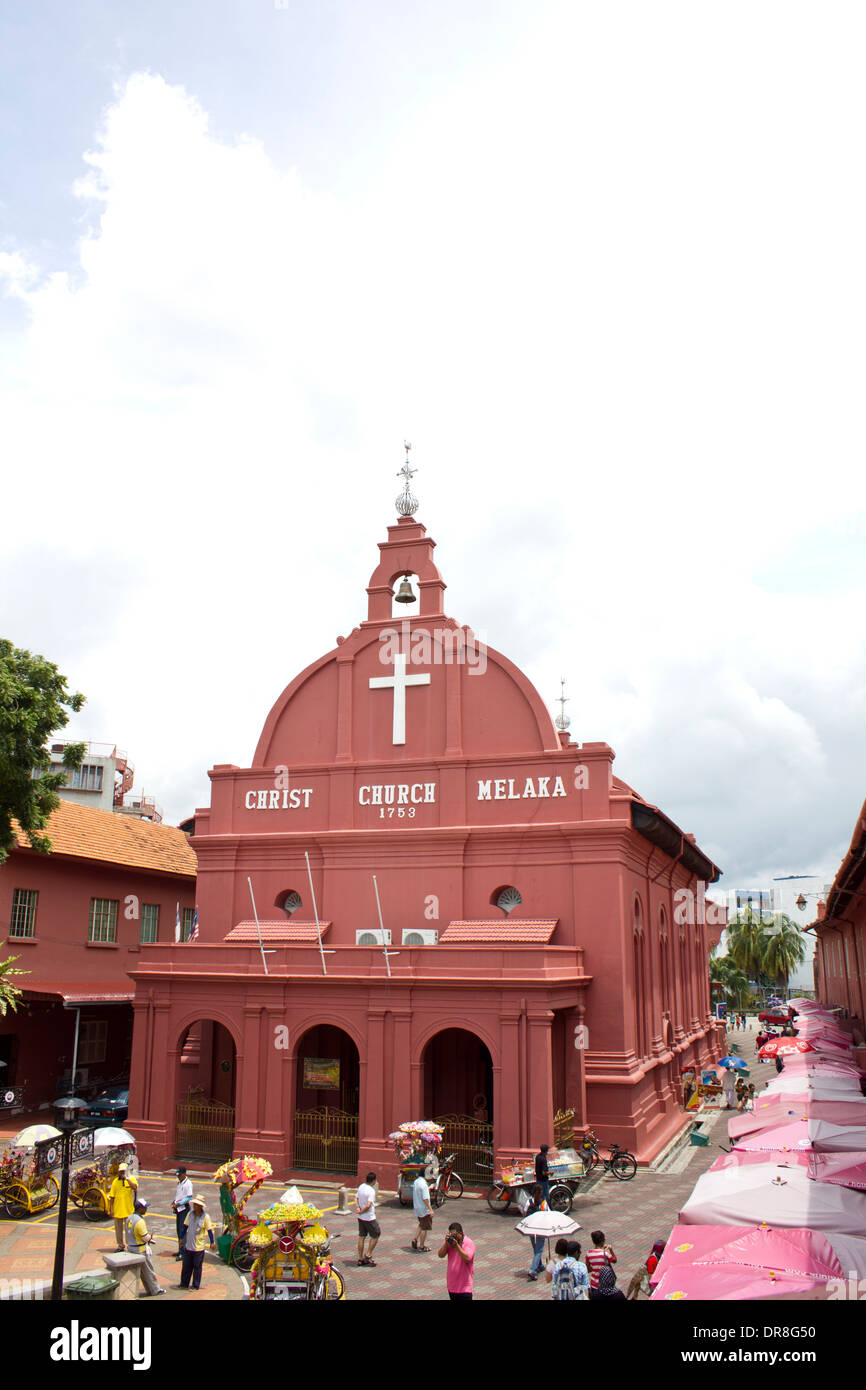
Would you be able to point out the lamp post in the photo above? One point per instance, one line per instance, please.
(66, 1113)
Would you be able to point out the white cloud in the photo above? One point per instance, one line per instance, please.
(611, 297)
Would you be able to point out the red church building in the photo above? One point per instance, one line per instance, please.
(422, 900)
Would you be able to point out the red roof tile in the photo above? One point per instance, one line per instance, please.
(526, 930)
(82, 832)
(284, 931)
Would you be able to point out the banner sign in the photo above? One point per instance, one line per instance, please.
(49, 1152)
(322, 1073)
(11, 1096)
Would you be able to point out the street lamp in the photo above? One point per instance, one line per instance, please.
(66, 1115)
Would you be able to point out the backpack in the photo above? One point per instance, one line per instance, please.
(565, 1280)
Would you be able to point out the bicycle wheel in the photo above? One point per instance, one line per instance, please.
(437, 1198)
(17, 1201)
(498, 1199)
(560, 1198)
(623, 1166)
(242, 1256)
(455, 1186)
(51, 1182)
(334, 1285)
(92, 1204)
(590, 1158)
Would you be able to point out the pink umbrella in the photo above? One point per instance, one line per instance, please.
(797, 1251)
(844, 1169)
(687, 1243)
(726, 1282)
(739, 1158)
(785, 1047)
(817, 1136)
(776, 1195)
(816, 1065)
(780, 1110)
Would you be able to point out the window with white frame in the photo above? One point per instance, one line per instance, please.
(103, 920)
(23, 921)
(92, 1042)
(149, 922)
(87, 778)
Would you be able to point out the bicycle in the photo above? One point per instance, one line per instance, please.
(447, 1183)
(620, 1163)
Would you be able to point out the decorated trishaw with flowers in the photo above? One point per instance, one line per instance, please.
(293, 1254)
(249, 1171)
(89, 1185)
(22, 1190)
(417, 1144)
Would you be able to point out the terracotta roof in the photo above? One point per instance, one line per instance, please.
(82, 832)
(88, 991)
(527, 930)
(286, 930)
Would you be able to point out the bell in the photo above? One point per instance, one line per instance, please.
(404, 593)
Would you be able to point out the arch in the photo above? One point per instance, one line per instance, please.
(327, 1099)
(457, 1068)
(506, 898)
(444, 1021)
(209, 1015)
(206, 1069)
(288, 900)
(325, 1017)
(637, 915)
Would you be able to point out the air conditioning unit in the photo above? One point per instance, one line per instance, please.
(416, 936)
(372, 938)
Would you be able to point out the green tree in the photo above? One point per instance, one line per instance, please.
(784, 950)
(34, 704)
(734, 982)
(9, 994)
(746, 942)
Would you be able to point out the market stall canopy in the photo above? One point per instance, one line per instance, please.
(687, 1245)
(818, 1135)
(779, 1110)
(776, 1195)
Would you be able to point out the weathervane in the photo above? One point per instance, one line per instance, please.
(407, 503)
(562, 720)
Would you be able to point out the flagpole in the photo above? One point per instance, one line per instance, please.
(258, 928)
(382, 929)
(316, 913)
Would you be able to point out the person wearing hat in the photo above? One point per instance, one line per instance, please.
(197, 1227)
(121, 1201)
(138, 1242)
(182, 1199)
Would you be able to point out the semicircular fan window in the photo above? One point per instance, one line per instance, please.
(291, 903)
(508, 899)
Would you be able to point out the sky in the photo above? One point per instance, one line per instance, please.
(601, 263)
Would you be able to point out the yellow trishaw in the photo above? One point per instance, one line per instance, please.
(294, 1256)
(22, 1192)
(89, 1186)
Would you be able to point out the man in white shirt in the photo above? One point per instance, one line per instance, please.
(182, 1199)
(369, 1229)
(423, 1211)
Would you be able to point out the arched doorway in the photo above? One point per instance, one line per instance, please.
(327, 1102)
(458, 1093)
(206, 1088)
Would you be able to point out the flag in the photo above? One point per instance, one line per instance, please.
(177, 923)
(193, 936)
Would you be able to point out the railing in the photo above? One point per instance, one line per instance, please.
(326, 1141)
(472, 1142)
(563, 1129)
(204, 1131)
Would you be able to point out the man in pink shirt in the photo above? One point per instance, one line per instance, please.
(459, 1250)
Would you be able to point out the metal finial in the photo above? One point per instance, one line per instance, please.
(407, 503)
(562, 720)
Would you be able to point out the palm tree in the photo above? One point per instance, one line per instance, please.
(746, 942)
(9, 994)
(725, 972)
(784, 950)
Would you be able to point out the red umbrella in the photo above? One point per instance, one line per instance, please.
(785, 1047)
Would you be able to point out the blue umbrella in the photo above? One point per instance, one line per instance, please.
(732, 1062)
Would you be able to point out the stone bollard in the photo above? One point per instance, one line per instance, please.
(126, 1268)
(343, 1205)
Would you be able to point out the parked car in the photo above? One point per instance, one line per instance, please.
(110, 1107)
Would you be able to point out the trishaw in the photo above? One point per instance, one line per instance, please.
(89, 1186)
(518, 1179)
(293, 1259)
(417, 1144)
(234, 1243)
(23, 1193)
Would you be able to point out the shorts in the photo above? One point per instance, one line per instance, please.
(369, 1228)
(426, 1223)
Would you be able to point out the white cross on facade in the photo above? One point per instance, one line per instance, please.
(398, 683)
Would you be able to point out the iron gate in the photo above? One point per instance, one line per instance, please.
(472, 1141)
(326, 1141)
(204, 1131)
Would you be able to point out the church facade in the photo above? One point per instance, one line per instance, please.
(423, 900)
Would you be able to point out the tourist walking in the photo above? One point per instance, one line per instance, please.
(369, 1229)
(182, 1199)
(542, 1171)
(198, 1227)
(138, 1242)
(423, 1211)
(459, 1251)
(536, 1203)
(567, 1274)
(121, 1203)
(598, 1256)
